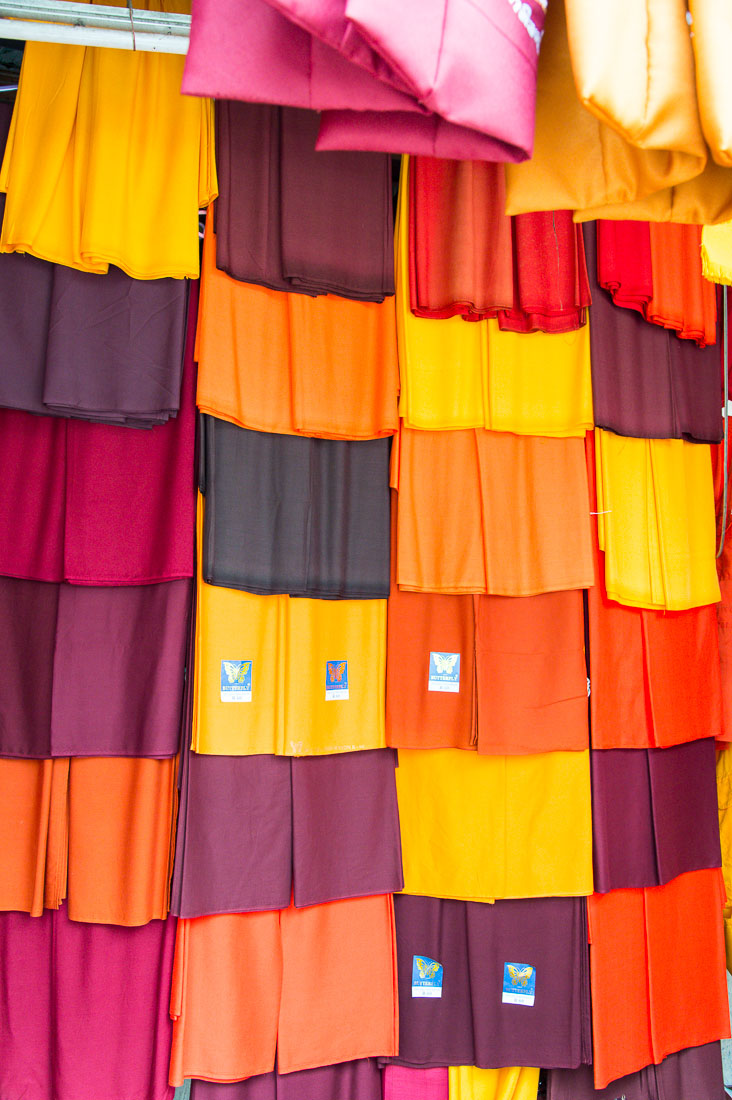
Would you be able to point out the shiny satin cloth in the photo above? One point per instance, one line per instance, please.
(121, 185)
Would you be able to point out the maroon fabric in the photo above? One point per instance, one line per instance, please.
(96, 504)
(693, 1074)
(346, 1081)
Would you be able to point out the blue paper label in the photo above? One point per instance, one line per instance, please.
(336, 680)
(426, 977)
(519, 984)
(444, 672)
(236, 681)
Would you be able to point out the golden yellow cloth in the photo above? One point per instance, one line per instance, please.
(106, 162)
(510, 1083)
(712, 43)
(724, 802)
(288, 641)
(656, 521)
(478, 828)
(716, 251)
(456, 375)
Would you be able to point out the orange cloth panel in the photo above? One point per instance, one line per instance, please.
(33, 834)
(481, 511)
(657, 965)
(276, 362)
(683, 299)
(316, 984)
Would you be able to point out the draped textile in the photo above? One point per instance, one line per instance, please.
(121, 184)
(693, 1072)
(108, 668)
(289, 363)
(647, 950)
(724, 806)
(289, 515)
(624, 266)
(320, 988)
(250, 828)
(85, 1014)
(96, 830)
(477, 376)
(293, 220)
(359, 1080)
(96, 504)
(711, 41)
(468, 258)
(482, 827)
(518, 524)
(654, 814)
(460, 1083)
(471, 1024)
(646, 382)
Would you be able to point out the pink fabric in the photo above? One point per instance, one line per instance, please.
(401, 1083)
(306, 53)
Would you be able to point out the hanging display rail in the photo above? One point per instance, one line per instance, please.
(94, 25)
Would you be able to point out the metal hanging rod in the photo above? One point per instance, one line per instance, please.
(94, 25)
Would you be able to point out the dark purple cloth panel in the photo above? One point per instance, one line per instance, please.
(654, 814)
(646, 382)
(250, 826)
(91, 671)
(84, 1008)
(693, 1074)
(469, 1025)
(345, 1081)
(295, 220)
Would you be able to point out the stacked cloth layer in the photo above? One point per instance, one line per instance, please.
(693, 1072)
(358, 1080)
(460, 1083)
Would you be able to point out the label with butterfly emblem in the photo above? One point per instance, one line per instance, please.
(426, 977)
(519, 984)
(336, 680)
(444, 672)
(236, 681)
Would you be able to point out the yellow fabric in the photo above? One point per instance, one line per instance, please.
(288, 642)
(712, 43)
(656, 521)
(511, 1083)
(458, 375)
(716, 250)
(106, 162)
(484, 827)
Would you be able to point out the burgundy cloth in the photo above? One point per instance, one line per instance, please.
(249, 51)
(469, 1025)
(646, 382)
(91, 671)
(624, 265)
(468, 258)
(296, 220)
(251, 826)
(359, 1080)
(84, 1008)
(654, 814)
(96, 504)
(404, 1083)
(693, 1074)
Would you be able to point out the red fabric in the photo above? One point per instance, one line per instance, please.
(624, 262)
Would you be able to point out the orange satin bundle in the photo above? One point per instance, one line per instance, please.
(657, 967)
(98, 829)
(289, 363)
(318, 985)
(490, 512)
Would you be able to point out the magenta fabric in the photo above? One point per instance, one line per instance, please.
(404, 1083)
(99, 504)
(249, 51)
(359, 1080)
(402, 132)
(84, 1008)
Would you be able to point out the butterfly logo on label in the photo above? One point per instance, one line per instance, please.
(520, 976)
(445, 662)
(236, 671)
(336, 670)
(427, 967)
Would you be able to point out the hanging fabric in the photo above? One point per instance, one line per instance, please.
(360, 1080)
(693, 1072)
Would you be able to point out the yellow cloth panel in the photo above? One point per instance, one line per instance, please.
(712, 42)
(716, 250)
(511, 1083)
(478, 828)
(106, 162)
(656, 521)
(288, 642)
(456, 374)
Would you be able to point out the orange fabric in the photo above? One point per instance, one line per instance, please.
(275, 362)
(654, 675)
(491, 512)
(531, 674)
(683, 299)
(99, 829)
(316, 984)
(657, 968)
